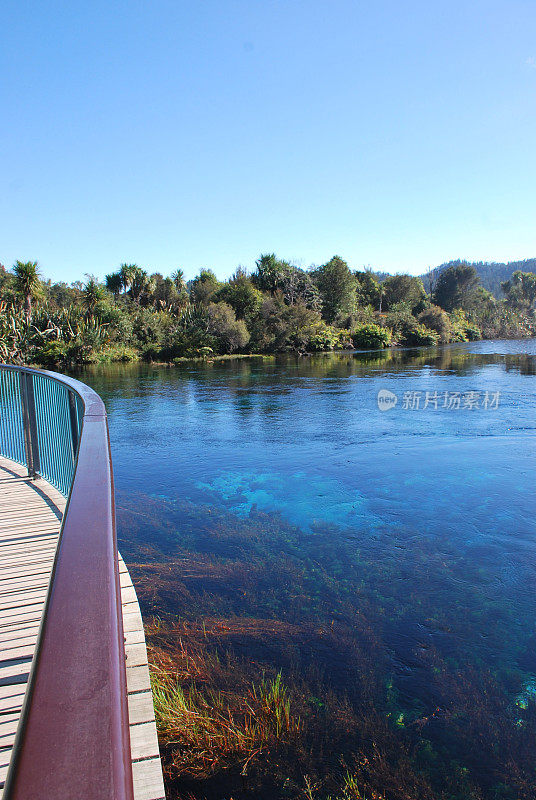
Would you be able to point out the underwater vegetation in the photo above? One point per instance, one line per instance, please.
(323, 664)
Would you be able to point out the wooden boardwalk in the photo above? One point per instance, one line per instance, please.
(30, 520)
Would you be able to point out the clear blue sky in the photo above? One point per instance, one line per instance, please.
(202, 133)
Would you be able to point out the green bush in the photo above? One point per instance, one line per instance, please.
(437, 320)
(461, 329)
(323, 337)
(117, 353)
(418, 335)
(371, 337)
(52, 353)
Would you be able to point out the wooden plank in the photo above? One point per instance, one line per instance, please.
(18, 652)
(14, 702)
(130, 621)
(29, 529)
(146, 766)
(8, 726)
(140, 707)
(136, 655)
(147, 776)
(128, 595)
(132, 637)
(17, 673)
(143, 740)
(12, 623)
(138, 679)
(12, 575)
(17, 585)
(22, 599)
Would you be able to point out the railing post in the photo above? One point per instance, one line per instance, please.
(29, 423)
(73, 416)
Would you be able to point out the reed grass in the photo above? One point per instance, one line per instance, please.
(204, 731)
(350, 789)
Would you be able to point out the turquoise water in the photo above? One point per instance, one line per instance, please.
(420, 518)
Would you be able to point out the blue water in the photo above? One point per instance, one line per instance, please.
(424, 514)
(305, 438)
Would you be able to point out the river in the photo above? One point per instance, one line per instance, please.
(381, 557)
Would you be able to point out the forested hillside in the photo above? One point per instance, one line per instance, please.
(492, 274)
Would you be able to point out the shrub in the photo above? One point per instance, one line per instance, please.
(229, 333)
(52, 353)
(324, 337)
(461, 329)
(418, 335)
(437, 320)
(371, 337)
(398, 321)
(117, 353)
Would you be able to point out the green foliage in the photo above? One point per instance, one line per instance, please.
(15, 333)
(324, 337)
(408, 332)
(368, 291)
(279, 327)
(439, 321)
(404, 291)
(204, 287)
(141, 286)
(298, 286)
(520, 290)
(279, 308)
(114, 283)
(27, 283)
(241, 294)
(229, 334)
(462, 330)
(93, 294)
(51, 353)
(269, 273)
(492, 274)
(456, 286)
(337, 287)
(371, 337)
(418, 335)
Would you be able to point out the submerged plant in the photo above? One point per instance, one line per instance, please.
(207, 730)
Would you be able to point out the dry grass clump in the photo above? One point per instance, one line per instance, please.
(204, 730)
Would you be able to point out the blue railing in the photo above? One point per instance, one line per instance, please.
(40, 424)
(11, 422)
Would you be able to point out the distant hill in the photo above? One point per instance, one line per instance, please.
(491, 274)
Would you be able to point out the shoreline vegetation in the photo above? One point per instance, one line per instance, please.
(276, 308)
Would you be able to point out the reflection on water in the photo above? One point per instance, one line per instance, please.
(277, 490)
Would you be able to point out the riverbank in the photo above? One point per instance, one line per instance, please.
(277, 309)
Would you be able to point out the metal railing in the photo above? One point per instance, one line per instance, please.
(40, 424)
(73, 737)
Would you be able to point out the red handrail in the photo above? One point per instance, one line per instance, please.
(73, 740)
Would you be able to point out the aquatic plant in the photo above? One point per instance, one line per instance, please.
(378, 634)
(207, 730)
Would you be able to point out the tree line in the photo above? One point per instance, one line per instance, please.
(276, 307)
